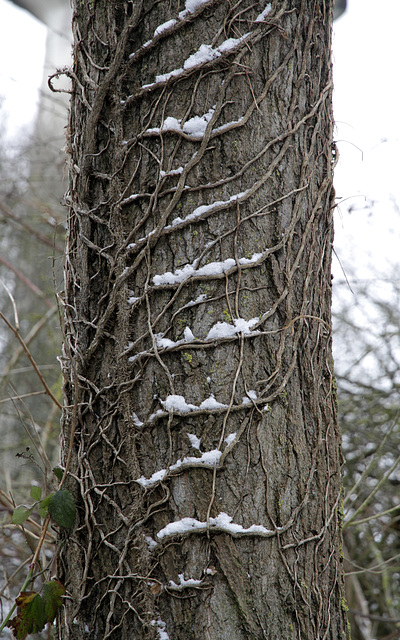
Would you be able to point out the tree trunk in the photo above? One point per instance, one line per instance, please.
(198, 373)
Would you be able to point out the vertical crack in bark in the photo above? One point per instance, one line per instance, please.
(239, 583)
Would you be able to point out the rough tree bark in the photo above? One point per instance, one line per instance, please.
(198, 372)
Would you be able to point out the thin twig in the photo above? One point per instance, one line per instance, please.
(31, 359)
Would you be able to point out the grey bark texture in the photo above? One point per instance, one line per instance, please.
(205, 458)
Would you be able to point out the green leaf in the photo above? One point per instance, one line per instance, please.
(44, 505)
(31, 616)
(52, 592)
(58, 472)
(36, 493)
(21, 514)
(62, 508)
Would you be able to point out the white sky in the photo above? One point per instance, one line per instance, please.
(367, 108)
(22, 49)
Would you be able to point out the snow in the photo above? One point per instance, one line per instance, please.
(164, 27)
(208, 459)
(225, 330)
(170, 278)
(264, 14)
(164, 77)
(188, 335)
(254, 258)
(231, 43)
(183, 584)
(132, 299)
(136, 420)
(156, 477)
(214, 268)
(226, 125)
(251, 395)
(190, 7)
(164, 343)
(172, 172)
(218, 330)
(201, 298)
(133, 196)
(169, 124)
(185, 525)
(204, 208)
(244, 325)
(223, 522)
(152, 544)
(177, 403)
(160, 624)
(229, 439)
(157, 413)
(210, 269)
(194, 441)
(205, 53)
(212, 403)
(195, 126)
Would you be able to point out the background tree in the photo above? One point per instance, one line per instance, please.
(31, 262)
(30, 250)
(367, 366)
(205, 453)
(32, 222)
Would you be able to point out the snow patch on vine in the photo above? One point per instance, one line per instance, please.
(251, 395)
(210, 269)
(223, 522)
(178, 403)
(208, 459)
(194, 441)
(229, 439)
(195, 126)
(183, 583)
(161, 626)
(164, 27)
(172, 172)
(264, 13)
(226, 330)
(190, 7)
(205, 53)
